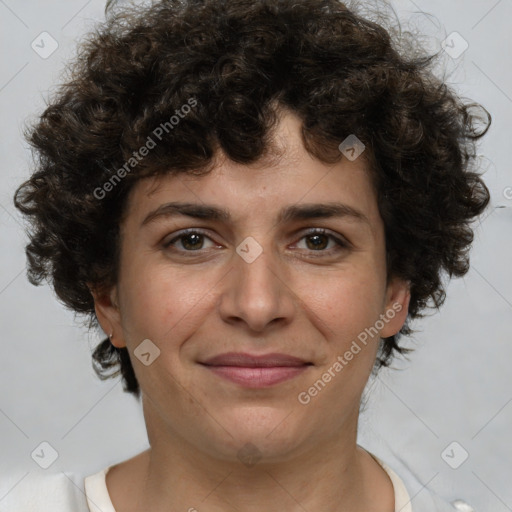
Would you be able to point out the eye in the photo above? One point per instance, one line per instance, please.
(190, 240)
(318, 239)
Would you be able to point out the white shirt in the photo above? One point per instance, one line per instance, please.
(39, 491)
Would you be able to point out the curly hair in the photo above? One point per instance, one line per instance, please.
(232, 63)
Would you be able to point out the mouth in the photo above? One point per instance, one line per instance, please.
(256, 371)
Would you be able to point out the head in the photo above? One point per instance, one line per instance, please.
(245, 106)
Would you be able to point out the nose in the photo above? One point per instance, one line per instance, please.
(257, 292)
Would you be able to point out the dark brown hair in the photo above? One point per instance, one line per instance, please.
(232, 62)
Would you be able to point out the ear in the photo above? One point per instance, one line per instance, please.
(107, 310)
(396, 306)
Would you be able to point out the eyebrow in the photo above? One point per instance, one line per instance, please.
(287, 214)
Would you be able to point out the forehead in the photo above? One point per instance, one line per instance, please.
(287, 175)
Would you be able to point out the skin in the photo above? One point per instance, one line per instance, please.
(293, 298)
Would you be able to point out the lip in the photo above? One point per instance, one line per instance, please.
(254, 361)
(256, 371)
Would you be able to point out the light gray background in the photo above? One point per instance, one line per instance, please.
(457, 385)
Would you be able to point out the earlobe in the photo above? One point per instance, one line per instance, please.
(396, 307)
(108, 314)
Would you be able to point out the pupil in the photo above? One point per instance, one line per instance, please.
(192, 245)
(316, 244)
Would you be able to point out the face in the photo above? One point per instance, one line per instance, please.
(274, 276)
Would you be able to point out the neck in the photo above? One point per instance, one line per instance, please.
(334, 476)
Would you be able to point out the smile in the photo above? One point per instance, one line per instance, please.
(256, 371)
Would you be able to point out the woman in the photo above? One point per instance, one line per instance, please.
(252, 199)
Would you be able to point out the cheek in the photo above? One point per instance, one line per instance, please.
(346, 312)
(164, 307)
(161, 299)
(347, 304)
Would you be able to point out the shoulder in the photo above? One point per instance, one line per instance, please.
(36, 491)
(418, 496)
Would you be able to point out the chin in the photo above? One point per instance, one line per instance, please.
(259, 432)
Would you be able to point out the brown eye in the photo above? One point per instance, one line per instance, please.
(188, 241)
(193, 241)
(318, 241)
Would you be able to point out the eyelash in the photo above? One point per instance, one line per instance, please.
(341, 244)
